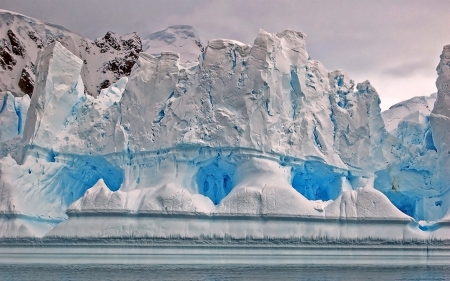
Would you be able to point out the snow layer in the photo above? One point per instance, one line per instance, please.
(364, 204)
(166, 199)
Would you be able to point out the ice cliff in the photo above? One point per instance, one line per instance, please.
(209, 146)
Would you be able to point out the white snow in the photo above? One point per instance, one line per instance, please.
(169, 198)
(364, 204)
(182, 39)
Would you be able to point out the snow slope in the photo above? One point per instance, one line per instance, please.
(182, 39)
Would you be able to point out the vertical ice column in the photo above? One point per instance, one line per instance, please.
(58, 89)
(440, 121)
(12, 114)
(440, 116)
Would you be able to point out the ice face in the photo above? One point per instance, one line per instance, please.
(12, 115)
(58, 89)
(439, 117)
(414, 110)
(408, 181)
(247, 130)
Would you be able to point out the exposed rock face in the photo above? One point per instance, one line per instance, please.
(7, 61)
(130, 47)
(26, 82)
(16, 46)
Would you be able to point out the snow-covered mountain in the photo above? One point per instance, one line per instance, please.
(181, 39)
(187, 142)
(105, 60)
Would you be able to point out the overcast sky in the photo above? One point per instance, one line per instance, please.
(394, 44)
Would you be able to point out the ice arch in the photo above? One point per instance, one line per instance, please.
(406, 204)
(317, 181)
(215, 179)
(82, 172)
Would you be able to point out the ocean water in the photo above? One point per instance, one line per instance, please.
(216, 273)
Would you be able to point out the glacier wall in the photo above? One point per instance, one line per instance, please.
(416, 178)
(249, 130)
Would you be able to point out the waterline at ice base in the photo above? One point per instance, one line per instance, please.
(251, 148)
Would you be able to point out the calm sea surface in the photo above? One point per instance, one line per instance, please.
(216, 273)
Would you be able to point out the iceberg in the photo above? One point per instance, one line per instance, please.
(253, 144)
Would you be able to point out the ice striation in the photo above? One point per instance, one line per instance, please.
(248, 141)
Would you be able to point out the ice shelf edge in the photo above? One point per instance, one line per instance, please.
(231, 255)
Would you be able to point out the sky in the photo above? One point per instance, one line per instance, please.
(394, 44)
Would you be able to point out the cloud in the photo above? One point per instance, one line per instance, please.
(409, 68)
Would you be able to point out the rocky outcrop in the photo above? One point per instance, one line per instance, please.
(128, 47)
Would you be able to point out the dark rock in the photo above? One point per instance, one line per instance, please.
(17, 46)
(133, 44)
(37, 40)
(109, 41)
(112, 41)
(7, 61)
(102, 45)
(121, 66)
(105, 84)
(200, 46)
(26, 82)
